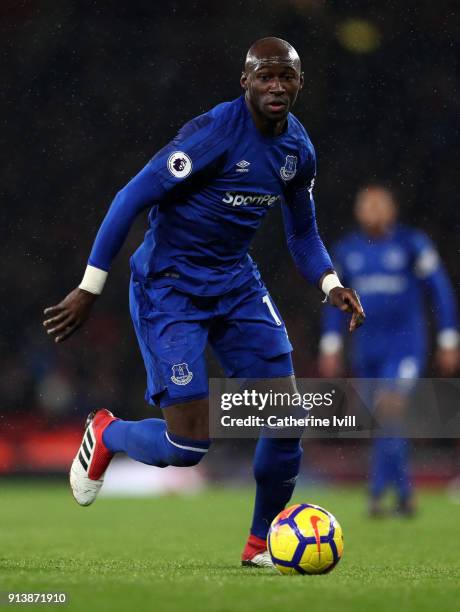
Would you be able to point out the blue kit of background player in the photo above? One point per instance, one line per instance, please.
(394, 268)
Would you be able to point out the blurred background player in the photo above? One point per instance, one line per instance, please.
(394, 268)
(193, 281)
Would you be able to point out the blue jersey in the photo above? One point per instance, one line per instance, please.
(392, 275)
(208, 191)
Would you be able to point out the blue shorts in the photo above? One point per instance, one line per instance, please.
(243, 327)
(397, 367)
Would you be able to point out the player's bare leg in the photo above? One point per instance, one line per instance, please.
(190, 419)
(181, 439)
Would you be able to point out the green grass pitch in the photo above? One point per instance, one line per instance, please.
(177, 553)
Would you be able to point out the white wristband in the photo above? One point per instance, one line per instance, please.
(330, 343)
(93, 280)
(448, 338)
(330, 281)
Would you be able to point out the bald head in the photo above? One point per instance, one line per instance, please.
(271, 50)
(271, 79)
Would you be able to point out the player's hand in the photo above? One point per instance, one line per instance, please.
(66, 317)
(447, 361)
(330, 365)
(347, 300)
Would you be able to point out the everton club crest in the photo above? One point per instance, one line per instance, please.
(181, 374)
(290, 168)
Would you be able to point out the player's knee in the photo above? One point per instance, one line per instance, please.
(185, 452)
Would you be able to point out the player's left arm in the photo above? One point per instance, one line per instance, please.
(430, 269)
(308, 250)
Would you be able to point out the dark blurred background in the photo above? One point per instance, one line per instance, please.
(91, 90)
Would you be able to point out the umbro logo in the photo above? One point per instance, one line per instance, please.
(243, 166)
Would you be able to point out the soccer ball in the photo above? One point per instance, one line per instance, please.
(305, 539)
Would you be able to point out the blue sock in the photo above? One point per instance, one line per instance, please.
(390, 466)
(400, 465)
(149, 441)
(276, 467)
(380, 467)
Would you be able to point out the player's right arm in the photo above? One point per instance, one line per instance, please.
(63, 319)
(198, 144)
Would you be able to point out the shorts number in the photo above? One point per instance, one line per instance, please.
(266, 300)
